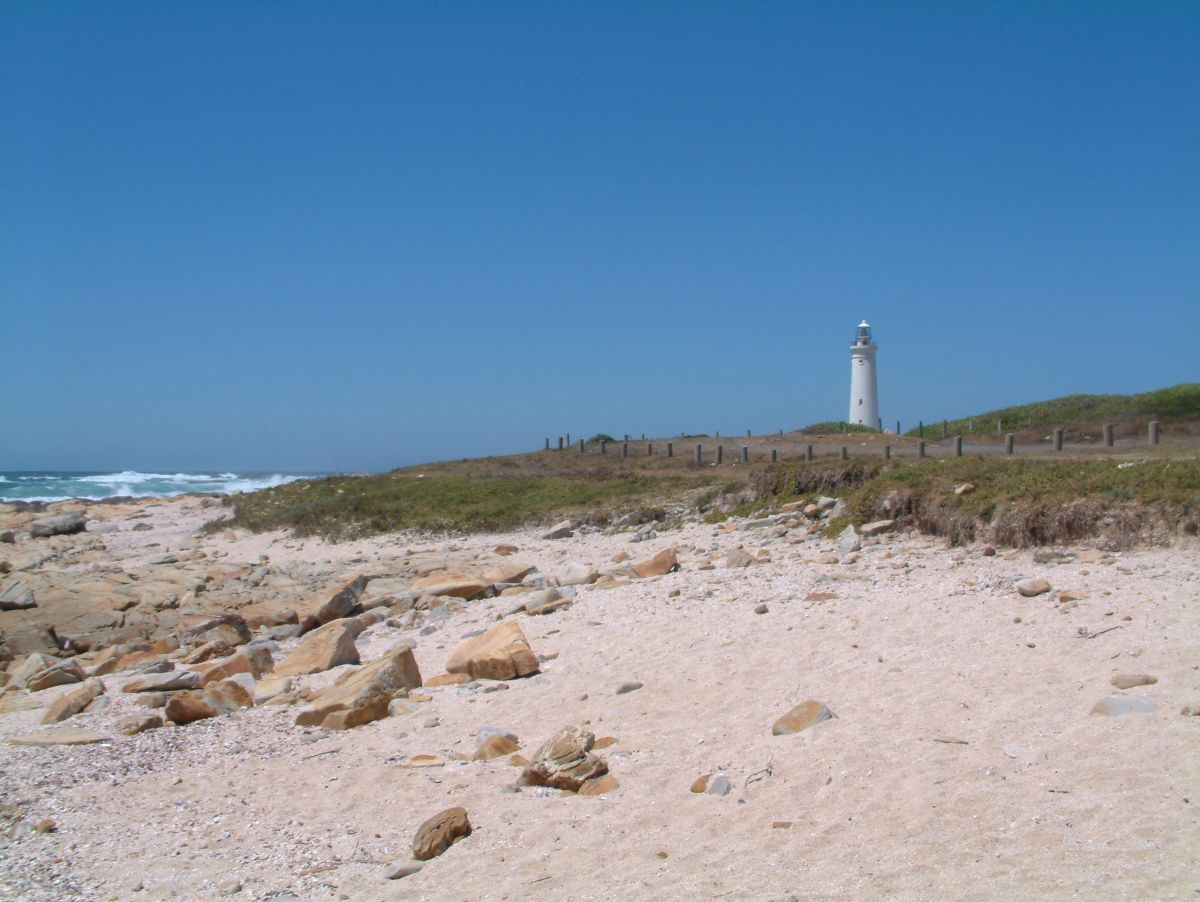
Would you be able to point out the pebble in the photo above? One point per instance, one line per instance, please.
(402, 868)
(760, 609)
(628, 686)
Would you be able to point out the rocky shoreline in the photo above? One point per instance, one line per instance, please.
(746, 710)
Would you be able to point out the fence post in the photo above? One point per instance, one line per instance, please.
(547, 444)
(897, 427)
(568, 440)
(747, 433)
(1108, 435)
(581, 446)
(1154, 432)
(603, 446)
(845, 453)
(720, 453)
(887, 452)
(921, 429)
(1010, 442)
(624, 449)
(1058, 439)
(698, 454)
(774, 455)
(560, 444)
(649, 449)
(670, 449)
(808, 452)
(745, 454)
(920, 449)
(958, 446)
(945, 429)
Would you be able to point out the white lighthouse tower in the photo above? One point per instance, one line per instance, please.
(864, 392)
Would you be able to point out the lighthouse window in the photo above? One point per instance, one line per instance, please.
(860, 402)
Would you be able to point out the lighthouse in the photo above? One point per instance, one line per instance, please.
(864, 393)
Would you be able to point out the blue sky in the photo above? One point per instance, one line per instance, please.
(316, 236)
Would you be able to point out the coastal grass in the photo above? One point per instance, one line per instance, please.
(348, 507)
(1178, 403)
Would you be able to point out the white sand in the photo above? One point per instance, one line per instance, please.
(1042, 799)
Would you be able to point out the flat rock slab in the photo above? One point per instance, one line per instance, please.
(59, 736)
(60, 525)
(801, 717)
(1130, 680)
(1118, 707)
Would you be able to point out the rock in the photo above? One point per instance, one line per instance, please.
(270, 686)
(876, 528)
(1118, 707)
(628, 686)
(152, 699)
(220, 626)
(133, 724)
(662, 563)
(344, 600)
(501, 653)
(397, 869)
(58, 736)
(254, 660)
(506, 550)
(17, 597)
(577, 574)
(1032, 587)
(269, 613)
(801, 717)
(988, 551)
(163, 682)
(508, 572)
(1190, 710)
(331, 645)
(565, 761)
(58, 525)
(363, 695)
(700, 784)
(438, 833)
(544, 601)
(598, 786)
(71, 703)
(738, 557)
(447, 679)
(186, 707)
(495, 747)
(1130, 680)
(62, 674)
(965, 489)
(719, 786)
(560, 531)
(20, 675)
(761, 609)
(452, 584)
(848, 541)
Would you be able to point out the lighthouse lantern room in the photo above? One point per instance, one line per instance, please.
(864, 392)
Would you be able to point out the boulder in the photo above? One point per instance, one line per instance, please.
(574, 573)
(363, 695)
(255, 660)
(801, 717)
(544, 601)
(329, 646)
(17, 597)
(133, 724)
(218, 698)
(501, 653)
(876, 528)
(268, 613)
(565, 761)
(559, 531)
(341, 602)
(1031, 587)
(57, 525)
(71, 703)
(221, 626)
(170, 681)
(848, 541)
(438, 833)
(270, 686)
(20, 675)
(455, 584)
(662, 563)
(508, 572)
(61, 674)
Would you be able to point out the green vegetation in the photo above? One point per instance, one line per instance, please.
(830, 427)
(1025, 501)
(600, 437)
(346, 507)
(1179, 402)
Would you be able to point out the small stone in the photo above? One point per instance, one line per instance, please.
(1190, 710)
(965, 489)
(988, 551)
(565, 761)
(700, 784)
(232, 888)
(495, 747)
(599, 786)
(133, 724)
(45, 825)
(1130, 680)
(801, 717)
(438, 833)
(737, 558)
(719, 786)
(398, 869)
(1032, 587)
(761, 609)
(628, 686)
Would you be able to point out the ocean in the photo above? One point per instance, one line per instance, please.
(95, 486)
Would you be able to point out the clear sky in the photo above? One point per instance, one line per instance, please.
(315, 236)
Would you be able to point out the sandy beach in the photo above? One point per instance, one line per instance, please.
(964, 759)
